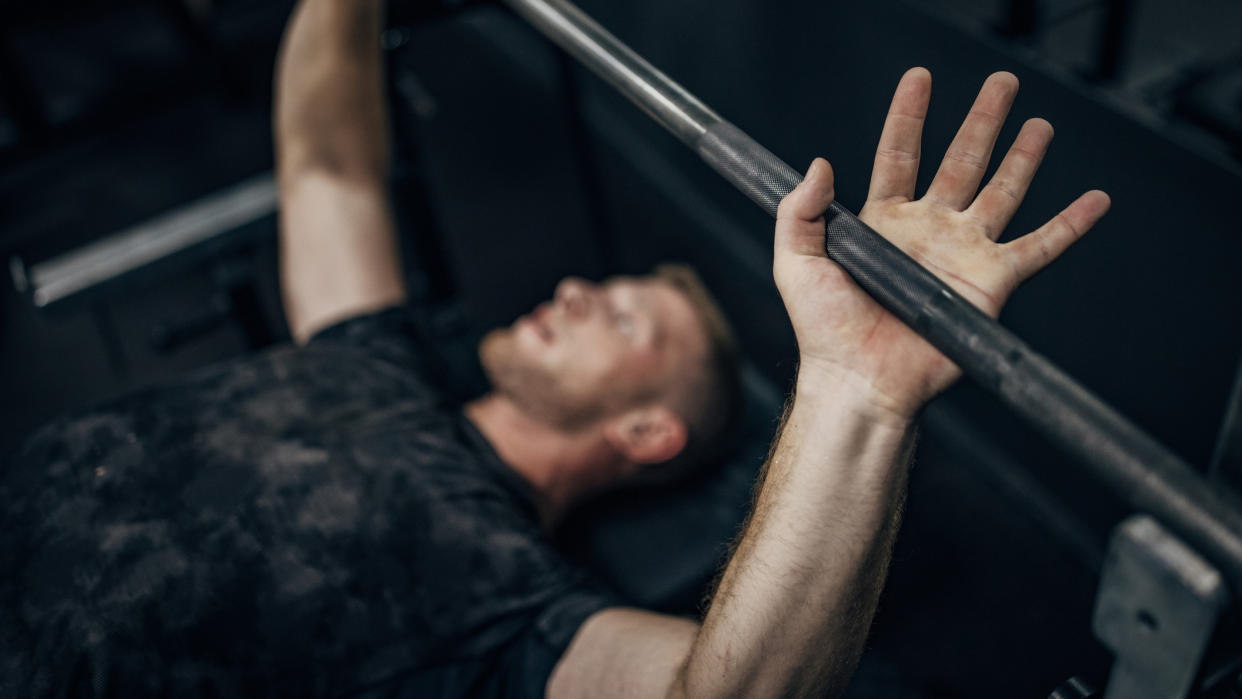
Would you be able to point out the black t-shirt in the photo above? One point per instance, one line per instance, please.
(315, 521)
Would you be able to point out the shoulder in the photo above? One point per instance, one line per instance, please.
(438, 343)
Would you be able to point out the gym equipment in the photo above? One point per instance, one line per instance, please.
(1158, 606)
(203, 226)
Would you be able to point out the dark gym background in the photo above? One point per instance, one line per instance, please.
(121, 112)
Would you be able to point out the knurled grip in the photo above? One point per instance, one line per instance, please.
(750, 167)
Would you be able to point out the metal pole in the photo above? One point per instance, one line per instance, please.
(1141, 471)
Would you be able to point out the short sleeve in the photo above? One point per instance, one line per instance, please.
(392, 333)
(560, 621)
(528, 662)
(438, 343)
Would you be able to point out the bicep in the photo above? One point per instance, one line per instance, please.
(339, 255)
(620, 652)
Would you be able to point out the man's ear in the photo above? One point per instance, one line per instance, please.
(647, 435)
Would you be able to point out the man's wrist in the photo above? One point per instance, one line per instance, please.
(847, 390)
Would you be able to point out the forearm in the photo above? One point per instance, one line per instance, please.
(330, 104)
(792, 611)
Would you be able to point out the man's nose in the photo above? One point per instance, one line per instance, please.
(574, 295)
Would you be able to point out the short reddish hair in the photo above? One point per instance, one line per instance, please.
(709, 397)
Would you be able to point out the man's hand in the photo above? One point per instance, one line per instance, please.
(845, 335)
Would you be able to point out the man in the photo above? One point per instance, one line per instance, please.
(315, 520)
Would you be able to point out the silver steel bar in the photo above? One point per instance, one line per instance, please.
(1140, 470)
(1226, 465)
(119, 254)
(664, 100)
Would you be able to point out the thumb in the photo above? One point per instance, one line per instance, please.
(800, 216)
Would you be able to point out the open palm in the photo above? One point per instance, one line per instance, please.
(952, 231)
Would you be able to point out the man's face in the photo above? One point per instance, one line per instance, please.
(595, 349)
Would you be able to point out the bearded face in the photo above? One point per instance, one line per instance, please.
(594, 350)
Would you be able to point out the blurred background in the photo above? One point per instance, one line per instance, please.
(137, 220)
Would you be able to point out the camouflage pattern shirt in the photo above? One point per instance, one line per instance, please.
(315, 521)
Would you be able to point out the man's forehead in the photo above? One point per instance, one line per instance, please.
(653, 290)
(671, 307)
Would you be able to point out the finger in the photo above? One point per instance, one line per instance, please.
(1034, 251)
(1002, 195)
(964, 163)
(897, 156)
(799, 218)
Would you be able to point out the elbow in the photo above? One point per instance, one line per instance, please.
(344, 145)
(297, 159)
(678, 688)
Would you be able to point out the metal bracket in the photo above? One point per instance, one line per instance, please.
(1158, 605)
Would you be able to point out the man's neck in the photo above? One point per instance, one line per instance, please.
(561, 466)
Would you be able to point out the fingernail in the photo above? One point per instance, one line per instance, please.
(811, 170)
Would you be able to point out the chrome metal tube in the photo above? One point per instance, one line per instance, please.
(59, 278)
(1140, 470)
(664, 100)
